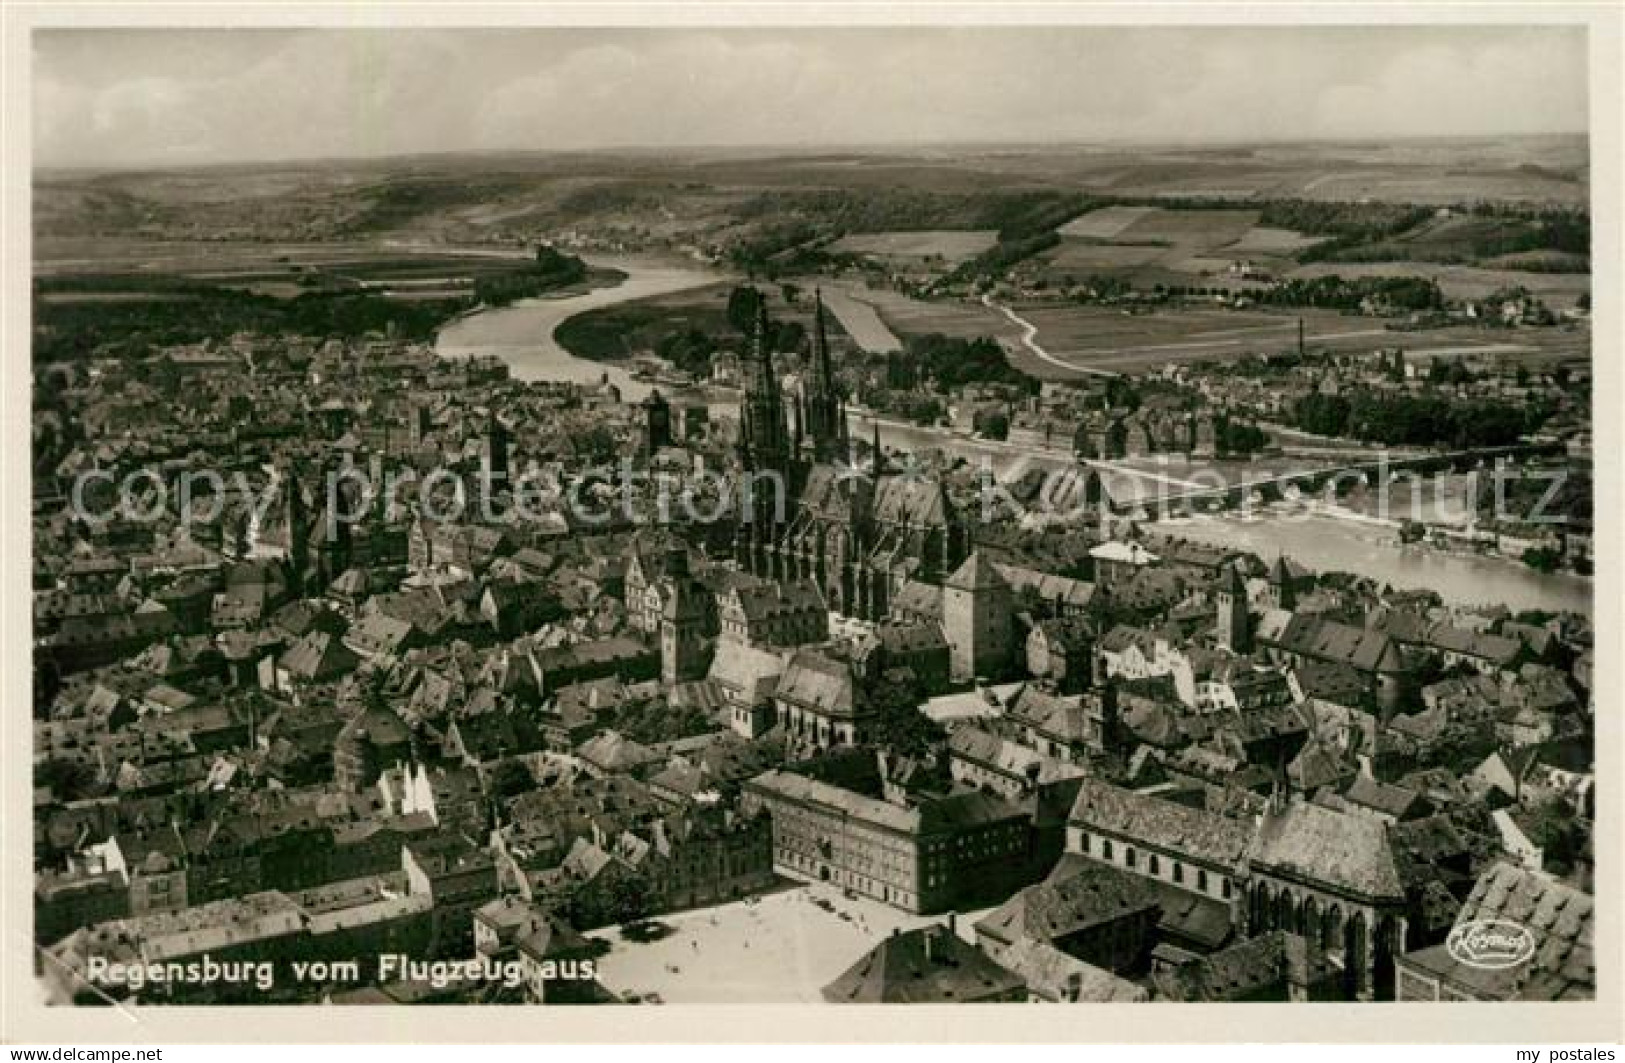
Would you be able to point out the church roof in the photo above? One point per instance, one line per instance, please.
(1337, 849)
(746, 668)
(1163, 824)
(916, 501)
(830, 495)
(822, 683)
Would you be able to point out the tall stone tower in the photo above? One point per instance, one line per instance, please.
(764, 432)
(1232, 620)
(977, 614)
(419, 424)
(825, 426)
(656, 423)
(1283, 589)
(296, 518)
(682, 621)
(496, 449)
(767, 458)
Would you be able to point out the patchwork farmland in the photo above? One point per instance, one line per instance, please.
(946, 247)
(859, 319)
(907, 316)
(1153, 245)
(1103, 338)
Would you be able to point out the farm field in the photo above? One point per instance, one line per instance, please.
(1195, 248)
(281, 271)
(1153, 245)
(1192, 228)
(1097, 257)
(1109, 339)
(861, 321)
(58, 255)
(1442, 188)
(949, 246)
(64, 298)
(1264, 240)
(625, 329)
(1105, 223)
(1559, 290)
(698, 194)
(907, 316)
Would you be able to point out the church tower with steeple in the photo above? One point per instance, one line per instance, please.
(1231, 619)
(977, 612)
(767, 458)
(296, 518)
(825, 418)
(764, 432)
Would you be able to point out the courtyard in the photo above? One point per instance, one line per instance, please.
(778, 948)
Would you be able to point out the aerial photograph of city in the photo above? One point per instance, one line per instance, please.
(564, 516)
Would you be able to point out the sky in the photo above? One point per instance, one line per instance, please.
(129, 98)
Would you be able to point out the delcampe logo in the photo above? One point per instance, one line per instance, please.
(1491, 944)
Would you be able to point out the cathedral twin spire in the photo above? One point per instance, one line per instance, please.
(826, 414)
(766, 440)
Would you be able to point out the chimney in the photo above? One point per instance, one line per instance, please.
(953, 922)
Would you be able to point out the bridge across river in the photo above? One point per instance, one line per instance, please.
(1182, 498)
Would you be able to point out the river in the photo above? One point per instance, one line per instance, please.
(522, 336)
(1329, 544)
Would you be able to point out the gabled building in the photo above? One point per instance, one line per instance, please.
(821, 702)
(774, 614)
(1199, 852)
(1543, 951)
(930, 965)
(1333, 877)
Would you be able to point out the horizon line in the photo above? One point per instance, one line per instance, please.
(875, 148)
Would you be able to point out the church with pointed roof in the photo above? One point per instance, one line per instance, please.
(857, 534)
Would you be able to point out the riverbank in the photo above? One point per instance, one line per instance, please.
(1328, 542)
(523, 335)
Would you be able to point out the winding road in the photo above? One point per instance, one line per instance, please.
(1029, 333)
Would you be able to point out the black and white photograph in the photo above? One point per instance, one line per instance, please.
(816, 513)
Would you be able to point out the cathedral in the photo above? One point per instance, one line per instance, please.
(857, 534)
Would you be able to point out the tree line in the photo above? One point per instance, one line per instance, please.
(1428, 420)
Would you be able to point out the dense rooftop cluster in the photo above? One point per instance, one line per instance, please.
(279, 716)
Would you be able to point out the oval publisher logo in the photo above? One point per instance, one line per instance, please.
(1491, 944)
